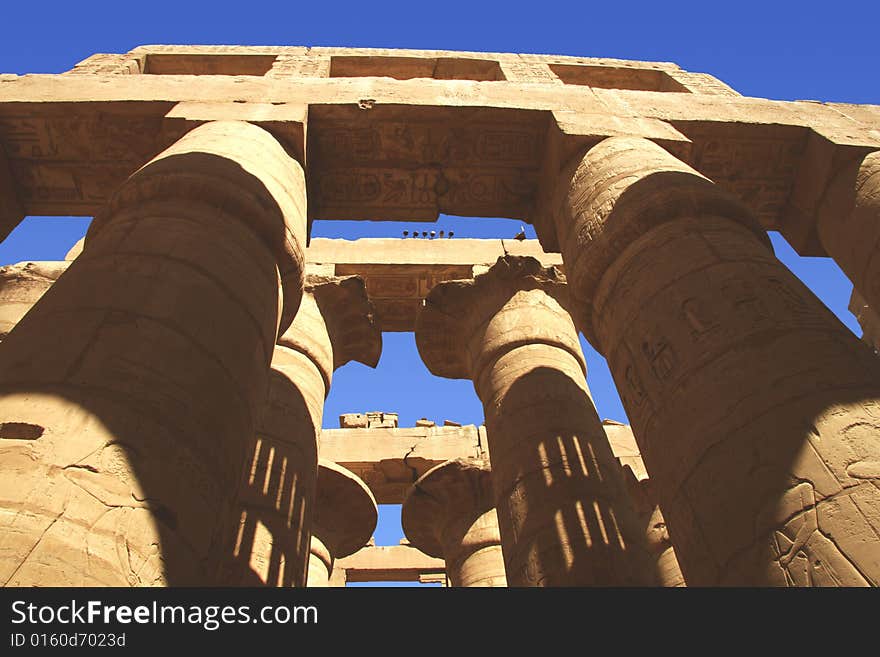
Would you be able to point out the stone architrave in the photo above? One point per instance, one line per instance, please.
(449, 513)
(11, 211)
(334, 326)
(344, 518)
(848, 224)
(128, 389)
(563, 510)
(756, 411)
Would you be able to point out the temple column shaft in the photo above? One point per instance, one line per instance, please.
(563, 511)
(320, 564)
(449, 513)
(668, 571)
(756, 411)
(849, 225)
(334, 325)
(474, 555)
(143, 367)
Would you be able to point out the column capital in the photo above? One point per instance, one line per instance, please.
(617, 191)
(335, 324)
(240, 169)
(456, 492)
(345, 513)
(842, 194)
(350, 318)
(846, 221)
(464, 324)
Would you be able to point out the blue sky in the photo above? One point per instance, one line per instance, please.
(781, 50)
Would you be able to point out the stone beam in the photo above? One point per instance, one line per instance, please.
(399, 273)
(389, 563)
(390, 460)
(476, 142)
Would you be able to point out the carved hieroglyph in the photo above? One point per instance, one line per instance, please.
(127, 389)
(450, 513)
(562, 507)
(334, 325)
(756, 411)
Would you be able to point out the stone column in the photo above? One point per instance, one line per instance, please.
(624, 447)
(756, 411)
(563, 510)
(848, 223)
(143, 368)
(449, 513)
(334, 326)
(867, 319)
(666, 568)
(345, 517)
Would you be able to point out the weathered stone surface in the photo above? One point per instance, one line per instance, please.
(11, 210)
(849, 224)
(144, 366)
(867, 318)
(135, 389)
(389, 563)
(344, 519)
(75, 250)
(277, 497)
(399, 273)
(21, 286)
(450, 513)
(390, 460)
(405, 134)
(562, 507)
(623, 444)
(755, 410)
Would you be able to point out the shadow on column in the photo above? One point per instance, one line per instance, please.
(571, 471)
(270, 546)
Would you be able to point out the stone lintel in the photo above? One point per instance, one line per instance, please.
(389, 563)
(399, 273)
(390, 460)
(285, 121)
(74, 138)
